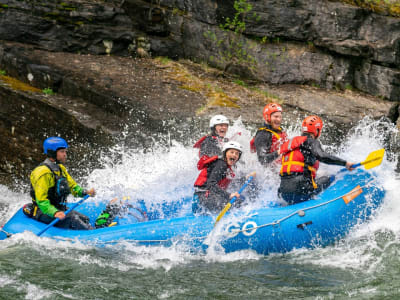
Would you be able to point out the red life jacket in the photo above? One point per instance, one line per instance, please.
(203, 165)
(293, 159)
(201, 140)
(277, 139)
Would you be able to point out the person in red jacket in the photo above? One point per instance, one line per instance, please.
(215, 176)
(300, 161)
(212, 143)
(269, 137)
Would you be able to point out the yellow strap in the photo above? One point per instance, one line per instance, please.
(112, 224)
(290, 162)
(35, 210)
(313, 183)
(273, 132)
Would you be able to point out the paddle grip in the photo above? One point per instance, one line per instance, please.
(66, 213)
(241, 189)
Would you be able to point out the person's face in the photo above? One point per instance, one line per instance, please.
(232, 156)
(62, 155)
(276, 120)
(221, 129)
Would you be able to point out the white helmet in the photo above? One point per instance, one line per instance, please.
(218, 119)
(232, 145)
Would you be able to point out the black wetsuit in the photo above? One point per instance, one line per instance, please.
(263, 143)
(298, 187)
(210, 146)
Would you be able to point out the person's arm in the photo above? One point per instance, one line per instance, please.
(324, 157)
(210, 147)
(263, 142)
(41, 187)
(76, 189)
(218, 172)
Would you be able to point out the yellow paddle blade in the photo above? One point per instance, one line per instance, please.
(223, 212)
(374, 159)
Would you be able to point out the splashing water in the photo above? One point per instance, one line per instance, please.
(350, 267)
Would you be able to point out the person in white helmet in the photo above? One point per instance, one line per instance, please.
(212, 143)
(215, 176)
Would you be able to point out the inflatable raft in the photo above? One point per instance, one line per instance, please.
(350, 200)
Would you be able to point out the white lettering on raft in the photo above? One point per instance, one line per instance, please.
(248, 229)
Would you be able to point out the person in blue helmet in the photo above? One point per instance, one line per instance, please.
(50, 186)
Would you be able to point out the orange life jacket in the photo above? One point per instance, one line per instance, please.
(277, 139)
(203, 165)
(293, 159)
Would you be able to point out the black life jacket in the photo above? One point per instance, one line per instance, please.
(58, 193)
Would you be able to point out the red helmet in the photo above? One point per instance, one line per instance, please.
(312, 124)
(269, 109)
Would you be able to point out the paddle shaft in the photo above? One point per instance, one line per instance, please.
(377, 156)
(66, 213)
(228, 206)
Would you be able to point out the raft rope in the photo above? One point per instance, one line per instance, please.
(7, 233)
(277, 222)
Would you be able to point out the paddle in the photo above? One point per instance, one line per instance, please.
(66, 213)
(228, 206)
(373, 160)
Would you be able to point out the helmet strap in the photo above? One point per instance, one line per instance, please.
(52, 154)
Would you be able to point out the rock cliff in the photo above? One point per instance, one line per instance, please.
(312, 56)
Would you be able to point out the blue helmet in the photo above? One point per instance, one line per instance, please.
(52, 144)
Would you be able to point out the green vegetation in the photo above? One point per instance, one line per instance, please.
(48, 91)
(389, 7)
(348, 86)
(267, 95)
(162, 59)
(240, 82)
(232, 47)
(177, 11)
(2, 72)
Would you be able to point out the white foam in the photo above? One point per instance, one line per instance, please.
(168, 173)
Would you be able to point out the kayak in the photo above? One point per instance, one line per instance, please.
(351, 199)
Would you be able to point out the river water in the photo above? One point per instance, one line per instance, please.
(363, 265)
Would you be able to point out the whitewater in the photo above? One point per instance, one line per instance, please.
(363, 265)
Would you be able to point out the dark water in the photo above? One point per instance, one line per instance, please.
(364, 265)
(45, 271)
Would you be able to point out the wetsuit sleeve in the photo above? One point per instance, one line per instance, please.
(263, 142)
(218, 173)
(76, 190)
(324, 157)
(41, 187)
(209, 147)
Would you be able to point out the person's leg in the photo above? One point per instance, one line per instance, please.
(323, 182)
(41, 217)
(295, 189)
(211, 202)
(74, 220)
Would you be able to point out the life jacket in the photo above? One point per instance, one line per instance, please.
(58, 193)
(277, 139)
(201, 140)
(293, 159)
(203, 165)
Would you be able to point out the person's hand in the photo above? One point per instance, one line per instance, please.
(235, 194)
(349, 166)
(59, 214)
(91, 192)
(251, 174)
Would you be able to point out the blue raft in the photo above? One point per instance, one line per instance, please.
(318, 222)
